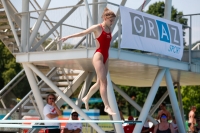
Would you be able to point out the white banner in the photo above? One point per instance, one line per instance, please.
(150, 33)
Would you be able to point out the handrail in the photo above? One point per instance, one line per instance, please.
(197, 45)
(78, 5)
(4, 88)
(45, 17)
(27, 96)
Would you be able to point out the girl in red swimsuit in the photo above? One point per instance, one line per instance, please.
(103, 37)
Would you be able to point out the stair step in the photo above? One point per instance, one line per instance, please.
(62, 84)
(29, 114)
(70, 72)
(3, 20)
(51, 90)
(2, 13)
(45, 95)
(35, 101)
(29, 107)
(9, 33)
(9, 39)
(59, 78)
(1, 6)
(3, 27)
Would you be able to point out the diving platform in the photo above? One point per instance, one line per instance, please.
(33, 39)
(125, 67)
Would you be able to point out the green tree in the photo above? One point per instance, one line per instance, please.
(190, 97)
(8, 66)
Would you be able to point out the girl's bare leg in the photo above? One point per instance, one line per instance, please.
(101, 70)
(92, 90)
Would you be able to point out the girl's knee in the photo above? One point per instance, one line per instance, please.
(103, 81)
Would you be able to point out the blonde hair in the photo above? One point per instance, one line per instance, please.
(107, 13)
(51, 94)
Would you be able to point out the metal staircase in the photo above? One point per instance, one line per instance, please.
(63, 83)
(67, 80)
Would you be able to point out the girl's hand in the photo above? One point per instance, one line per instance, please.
(64, 38)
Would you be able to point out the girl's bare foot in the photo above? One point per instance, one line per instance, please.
(85, 100)
(108, 110)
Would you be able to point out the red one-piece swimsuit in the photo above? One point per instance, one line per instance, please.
(104, 44)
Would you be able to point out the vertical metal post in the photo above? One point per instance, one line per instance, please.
(190, 42)
(168, 9)
(180, 103)
(174, 102)
(113, 104)
(87, 36)
(95, 12)
(24, 24)
(149, 100)
(119, 35)
(101, 9)
(34, 88)
(95, 17)
(88, 13)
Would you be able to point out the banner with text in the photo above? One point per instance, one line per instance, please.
(150, 33)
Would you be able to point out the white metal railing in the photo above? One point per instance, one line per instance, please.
(197, 46)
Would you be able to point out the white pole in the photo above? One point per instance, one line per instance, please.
(35, 89)
(88, 13)
(95, 12)
(39, 21)
(113, 104)
(149, 100)
(64, 97)
(168, 9)
(101, 9)
(24, 24)
(174, 102)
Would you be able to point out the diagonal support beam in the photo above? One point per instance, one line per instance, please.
(56, 26)
(35, 89)
(39, 21)
(133, 103)
(174, 102)
(65, 98)
(85, 88)
(152, 111)
(11, 24)
(149, 100)
(180, 102)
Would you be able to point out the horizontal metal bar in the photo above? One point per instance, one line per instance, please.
(190, 14)
(62, 24)
(113, 4)
(67, 121)
(59, 8)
